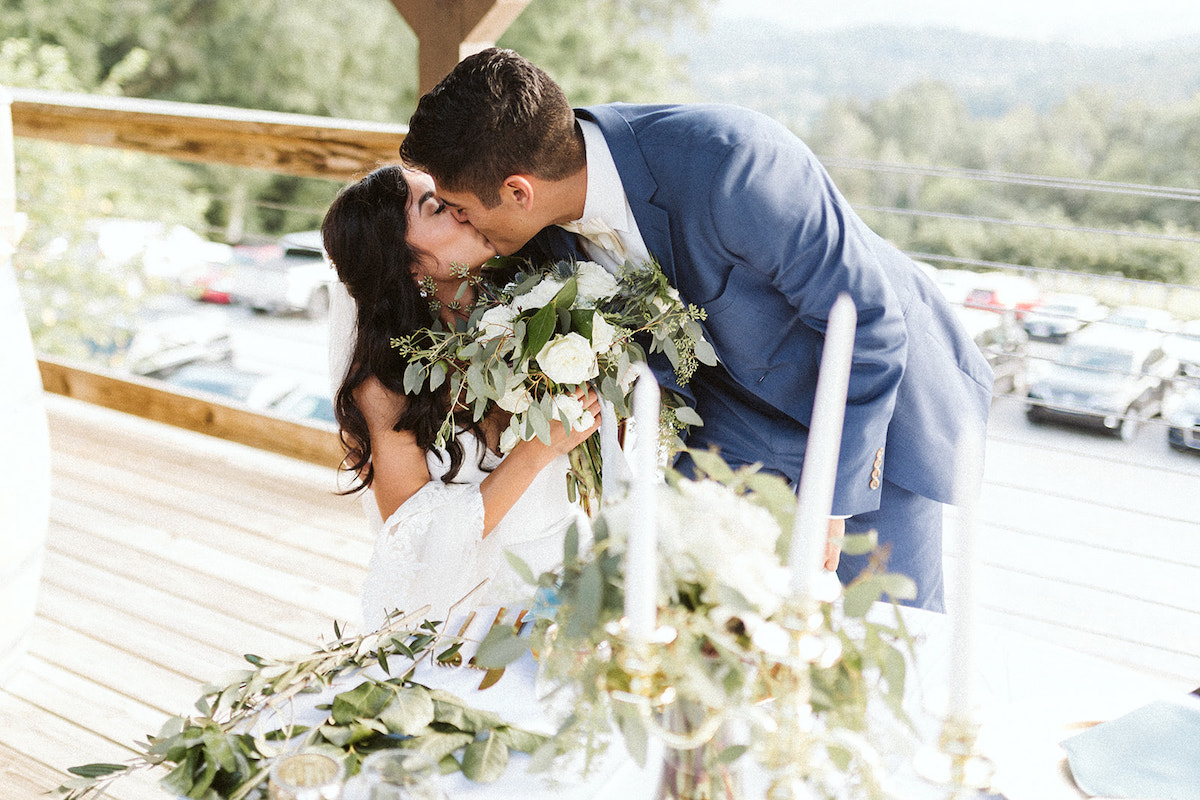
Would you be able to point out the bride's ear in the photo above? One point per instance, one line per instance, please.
(520, 189)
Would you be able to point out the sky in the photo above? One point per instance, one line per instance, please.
(1090, 22)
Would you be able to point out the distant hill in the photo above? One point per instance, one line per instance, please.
(791, 74)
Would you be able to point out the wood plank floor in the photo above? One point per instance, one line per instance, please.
(171, 554)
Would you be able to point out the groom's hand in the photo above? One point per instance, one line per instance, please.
(833, 546)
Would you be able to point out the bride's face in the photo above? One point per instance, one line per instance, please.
(434, 231)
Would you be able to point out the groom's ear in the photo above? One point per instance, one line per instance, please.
(520, 189)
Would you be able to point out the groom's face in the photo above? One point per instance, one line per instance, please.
(507, 226)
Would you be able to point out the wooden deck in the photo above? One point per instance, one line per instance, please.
(170, 554)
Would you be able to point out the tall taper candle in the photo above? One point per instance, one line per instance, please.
(969, 470)
(641, 553)
(810, 531)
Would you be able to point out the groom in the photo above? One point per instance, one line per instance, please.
(746, 224)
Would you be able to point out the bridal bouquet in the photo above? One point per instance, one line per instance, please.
(736, 667)
(529, 346)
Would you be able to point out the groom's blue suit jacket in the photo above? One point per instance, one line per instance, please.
(747, 224)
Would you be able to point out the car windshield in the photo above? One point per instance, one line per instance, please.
(1097, 358)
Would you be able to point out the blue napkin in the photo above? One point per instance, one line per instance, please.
(1153, 752)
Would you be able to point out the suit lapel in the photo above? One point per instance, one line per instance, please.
(653, 222)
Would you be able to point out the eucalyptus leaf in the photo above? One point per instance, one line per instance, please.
(520, 567)
(633, 730)
(859, 544)
(899, 587)
(705, 353)
(541, 425)
(365, 700)
(688, 416)
(475, 382)
(586, 610)
(861, 595)
(437, 745)
(500, 647)
(437, 375)
(484, 761)
(412, 377)
(409, 712)
(520, 739)
(712, 465)
(543, 758)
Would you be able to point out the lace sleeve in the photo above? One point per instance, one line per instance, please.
(427, 553)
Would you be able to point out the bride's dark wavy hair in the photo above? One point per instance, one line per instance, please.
(365, 232)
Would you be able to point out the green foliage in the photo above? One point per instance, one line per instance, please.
(1089, 137)
(212, 756)
(605, 50)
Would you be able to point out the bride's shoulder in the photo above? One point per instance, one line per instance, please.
(380, 406)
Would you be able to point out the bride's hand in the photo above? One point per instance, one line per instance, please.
(563, 441)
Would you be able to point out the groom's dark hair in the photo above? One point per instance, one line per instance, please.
(494, 115)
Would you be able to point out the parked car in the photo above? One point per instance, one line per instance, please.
(999, 291)
(164, 338)
(211, 286)
(1003, 343)
(1155, 320)
(292, 276)
(1184, 421)
(283, 395)
(1060, 315)
(1106, 378)
(257, 390)
(311, 402)
(1184, 345)
(956, 283)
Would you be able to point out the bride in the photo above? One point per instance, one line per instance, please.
(444, 518)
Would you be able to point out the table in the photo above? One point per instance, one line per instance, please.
(1031, 696)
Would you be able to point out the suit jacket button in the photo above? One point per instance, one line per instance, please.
(875, 483)
(875, 472)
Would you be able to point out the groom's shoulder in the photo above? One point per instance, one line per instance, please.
(688, 122)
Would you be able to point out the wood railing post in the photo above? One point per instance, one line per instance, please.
(450, 30)
(24, 435)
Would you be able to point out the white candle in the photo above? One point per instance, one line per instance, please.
(641, 552)
(969, 469)
(810, 531)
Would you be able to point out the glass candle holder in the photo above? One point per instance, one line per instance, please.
(306, 776)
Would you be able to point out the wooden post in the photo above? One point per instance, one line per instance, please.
(24, 435)
(450, 30)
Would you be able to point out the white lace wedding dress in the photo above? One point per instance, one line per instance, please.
(431, 551)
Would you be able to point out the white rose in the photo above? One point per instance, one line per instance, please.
(538, 296)
(508, 440)
(627, 378)
(594, 283)
(572, 408)
(515, 400)
(603, 333)
(721, 536)
(495, 322)
(568, 358)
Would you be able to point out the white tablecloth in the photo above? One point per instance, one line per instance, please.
(1031, 696)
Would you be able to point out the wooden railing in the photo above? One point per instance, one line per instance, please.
(293, 144)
